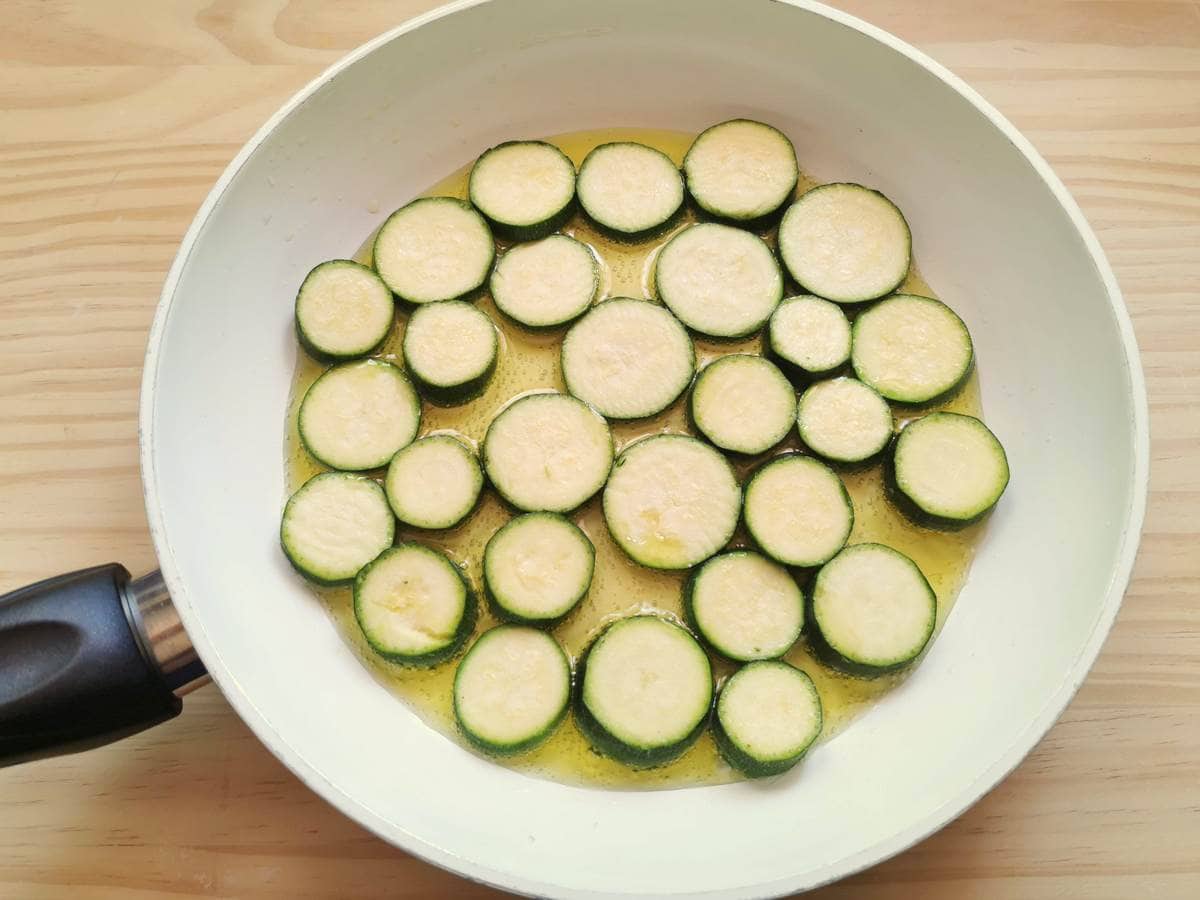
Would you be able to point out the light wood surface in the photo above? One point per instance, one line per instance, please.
(115, 119)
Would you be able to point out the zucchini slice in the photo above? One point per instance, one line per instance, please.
(435, 248)
(524, 188)
(744, 606)
(742, 403)
(450, 350)
(646, 691)
(798, 511)
(343, 310)
(741, 170)
(845, 242)
(809, 334)
(718, 280)
(413, 605)
(912, 349)
(434, 482)
(546, 283)
(872, 610)
(358, 414)
(628, 358)
(537, 568)
(511, 690)
(671, 502)
(844, 421)
(947, 470)
(334, 525)
(629, 190)
(547, 452)
(768, 715)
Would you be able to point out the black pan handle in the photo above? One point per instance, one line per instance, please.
(87, 658)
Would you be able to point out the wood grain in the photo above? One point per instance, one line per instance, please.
(116, 117)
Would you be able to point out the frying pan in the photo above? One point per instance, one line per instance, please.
(90, 656)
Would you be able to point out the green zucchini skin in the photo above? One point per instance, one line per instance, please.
(752, 766)
(458, 395)
(507, 231)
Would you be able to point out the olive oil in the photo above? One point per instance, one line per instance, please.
(620, 587)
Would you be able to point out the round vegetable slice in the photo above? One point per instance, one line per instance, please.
(743, 403)
(845, 242)
(810, 334)
(744, 606)
(947, 470)
(719, 280)
(768, 715)
(646, 691)
(628, 358)
(335, 524)
(434, 482)
(511, 690)
(671, 501)
(524, 188)
(537, 568)
(450, 349)
(844, 421)
(435, 248)
(358, 414)
(797, 510)
(343, 310)
(628, 189)
(546, 283)
(413, 605)
(547, 452)
(912, 349)
(741, 170)
(872, 610)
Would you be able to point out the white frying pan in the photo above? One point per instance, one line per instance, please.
(996, 233)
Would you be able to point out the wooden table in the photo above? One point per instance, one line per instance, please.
(115, 119)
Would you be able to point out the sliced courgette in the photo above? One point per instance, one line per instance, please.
(343, 310)
(768, 715)
(947, 470)
(872, 610)
(797, 510)
(511, 690)
(525, 189)
(334, 525)
(718, 280)
(845, 242)
(413, 605)
(671, 501)
(628, 358)
(450, 349)
(742, 403)
(744, 606)
(546, 283)
(547, 452)
(537, 567)
(435, 248)
(630, 190)
(810, 335)
(741, 170)
(646, 691)
(434, 482)
(844, 421)
(358, 414)
(912, 349)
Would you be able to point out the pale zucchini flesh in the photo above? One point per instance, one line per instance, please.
(628, 358)
(450, 349)
(546, 283)
(537, 568)
(744, 606)
(844, 421)
(846, 243)
(742, 403)
(768, 715)
(343, 310)
(741, 170)
(435, 248)
(547, 452)
(335, 524)
(628, 189)
(434, 482)
(671, 502)
(809, 334)
(525, 189)
(797, 510)
(718, 280)
(358, 414)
